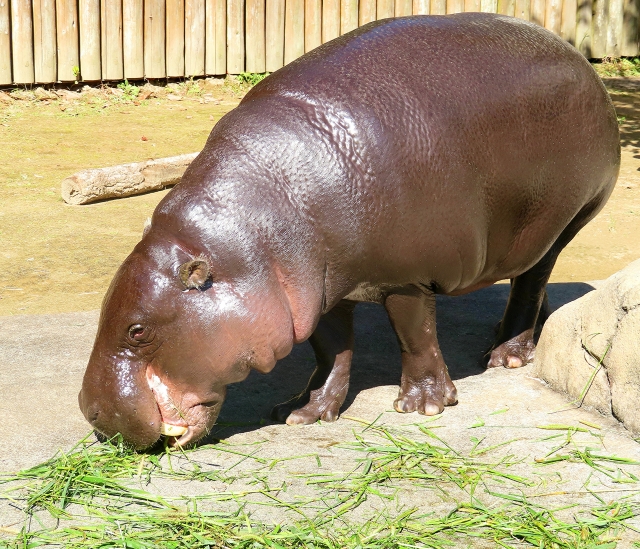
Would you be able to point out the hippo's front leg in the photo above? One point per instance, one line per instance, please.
(425, 386)
(332, 343)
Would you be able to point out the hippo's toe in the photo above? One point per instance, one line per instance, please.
(427, 397)
(514, 353)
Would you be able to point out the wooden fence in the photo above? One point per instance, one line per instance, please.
(44, 41)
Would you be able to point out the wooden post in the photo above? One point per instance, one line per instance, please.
(154, 39)
(5, 44)
(368, 11)
(112, 55)
(235, 36)
(133, 38)
(216, 36)
(44, 41)
(22, 41)
(349, 15)
(454, 6)
(568, 26)
(583, 27)
(523, 10)
(538, 12)
(615, 28)
(438, 7)
(507, 7)
(256, 36)
(599, 28)
(194, 37)
(67, 26)
(553, 16)
(630, 24)
(312, 24)
(472, 5)
(330, 20)
(175, 29)
(274, 34)
(89, 19)
(386, 9)
(293, 30)
(403, 8)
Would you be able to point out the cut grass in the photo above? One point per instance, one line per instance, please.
(484, 501)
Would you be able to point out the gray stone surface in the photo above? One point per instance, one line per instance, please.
(42, 360)
(597, 336)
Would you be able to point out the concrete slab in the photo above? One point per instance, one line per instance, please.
(42, 360)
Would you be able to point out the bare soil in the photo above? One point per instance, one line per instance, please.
(58, 258)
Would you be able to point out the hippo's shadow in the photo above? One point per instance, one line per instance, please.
(465, 331)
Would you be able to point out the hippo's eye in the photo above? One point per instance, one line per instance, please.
(137, 332)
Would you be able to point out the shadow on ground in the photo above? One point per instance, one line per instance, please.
(465, 331)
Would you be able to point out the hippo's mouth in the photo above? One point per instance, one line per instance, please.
(185, 418)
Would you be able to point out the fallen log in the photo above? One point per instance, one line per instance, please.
(124, 180)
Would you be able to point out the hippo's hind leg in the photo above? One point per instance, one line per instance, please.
(425, 385)
(332, 343)
(528, 304)
(527, 309)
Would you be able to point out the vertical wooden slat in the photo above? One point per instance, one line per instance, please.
(175, 27)
(330, 20)
(472, 5)
(523, 10)
(293, 30)
(312, 24)
(255, 36)
(630, 28)
(367, 11)
(44, 40)
(538, 12)
(568, 27)
(275, 34)
(89, 22)
(194, 38)
(455, 6)
(154, 39)
(403, 8)
(235, 36)
(438, 7)
(216, 36)
(5, 44)
(487, 6)
(599, 28)
(67, 35)
(615, 28)
(22, 41)
(507, 7)
(112, 55)
(348, 15)
(553, 16)
(386, 8)
(133, 38)
(583, 27)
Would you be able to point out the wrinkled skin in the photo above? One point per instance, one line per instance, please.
(405, 159)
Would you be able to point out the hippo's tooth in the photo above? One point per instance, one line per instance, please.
(172, 430)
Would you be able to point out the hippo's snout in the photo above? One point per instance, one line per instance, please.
(110, 410)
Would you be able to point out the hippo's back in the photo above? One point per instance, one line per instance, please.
(487, 130)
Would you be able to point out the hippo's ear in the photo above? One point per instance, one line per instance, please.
(196, 274)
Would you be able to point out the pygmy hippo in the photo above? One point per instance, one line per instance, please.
(411, 157)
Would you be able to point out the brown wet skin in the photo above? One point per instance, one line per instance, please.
(408, 158)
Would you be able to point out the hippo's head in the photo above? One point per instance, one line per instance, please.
(175, 329)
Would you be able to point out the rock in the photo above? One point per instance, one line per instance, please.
(593, 345)
(44, 95)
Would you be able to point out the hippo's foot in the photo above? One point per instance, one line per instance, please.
(514, 353)
(308, 408)
(427, 395)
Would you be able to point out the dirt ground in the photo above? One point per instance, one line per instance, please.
(58, 258)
